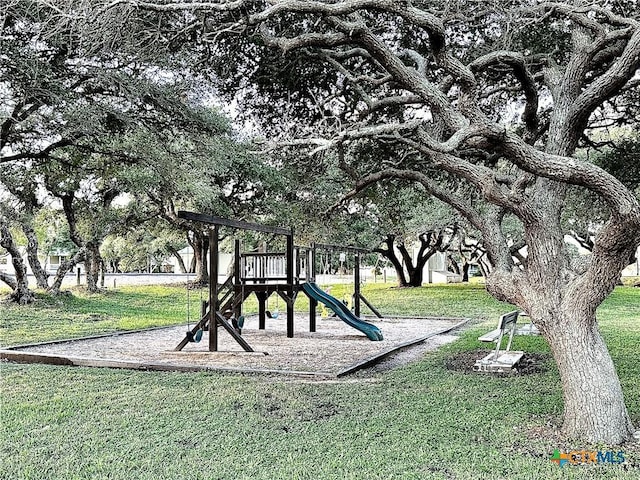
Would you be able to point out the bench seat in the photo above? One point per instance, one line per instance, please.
(491, 336)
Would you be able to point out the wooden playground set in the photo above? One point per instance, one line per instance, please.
(264, 273)
(335, 349)
(329, 352)
(293, 271)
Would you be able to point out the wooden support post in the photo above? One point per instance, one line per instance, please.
(237, 302)
(313, 305)
(290, 293)
(311, 277)
(237, 291)
(213, 289)
(290, 319)
(238, 338)
(262, 309)
(371, 307)
(356, 288)
(203, 309)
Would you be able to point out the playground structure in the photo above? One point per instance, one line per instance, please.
(264, 273)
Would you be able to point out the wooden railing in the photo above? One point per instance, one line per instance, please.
(272, 266)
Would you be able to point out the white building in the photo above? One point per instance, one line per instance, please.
(435, 270)
(633, 270)
(50, 263)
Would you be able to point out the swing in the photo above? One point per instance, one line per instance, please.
(238, 323)
(191, 336)
(275, 314)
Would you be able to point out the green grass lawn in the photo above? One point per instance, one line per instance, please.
(81, 314)
(421, 421)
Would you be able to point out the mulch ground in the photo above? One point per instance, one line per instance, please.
(333, 348)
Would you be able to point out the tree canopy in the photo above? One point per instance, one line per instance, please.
(497, 96)
(114, 140)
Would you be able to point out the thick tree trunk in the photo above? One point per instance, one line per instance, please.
(202, 270)
(21, 293)
(465, 272)
(42, 278)
(92, 264)
(562, 303)
(63, 269)
(594, 407)
(200, 246)
(390, 254)
(416, 273)
(9, 280)
(401, 277)
(181, 266)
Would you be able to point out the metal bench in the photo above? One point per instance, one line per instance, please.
(500, 360)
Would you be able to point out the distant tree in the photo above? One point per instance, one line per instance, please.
(19, 283)
(586, 212)
(410, 228)
(402, 223)
(215, 174)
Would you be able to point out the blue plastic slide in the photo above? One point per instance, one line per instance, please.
(315, 292)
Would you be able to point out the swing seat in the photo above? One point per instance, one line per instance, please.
(194, 337)
(238, 323)
(273, 315)
(198, 335)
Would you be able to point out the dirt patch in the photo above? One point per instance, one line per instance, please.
(530, 363)
(409, 355)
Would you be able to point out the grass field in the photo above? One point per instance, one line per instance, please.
(421, 421)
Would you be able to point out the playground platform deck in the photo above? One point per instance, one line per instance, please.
(333, 350)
